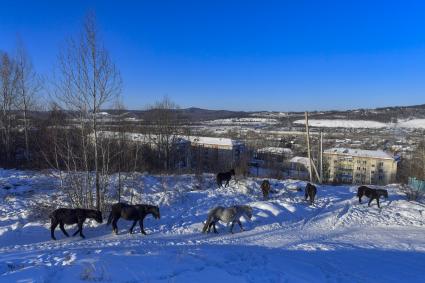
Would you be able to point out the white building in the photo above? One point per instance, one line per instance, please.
(346, 165)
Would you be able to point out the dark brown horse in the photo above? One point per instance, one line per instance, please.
(226, 176)
(371, 194)
(265, 188)
(71, 216)
(135, 212)
(310, 192)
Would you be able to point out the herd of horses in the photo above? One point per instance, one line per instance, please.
(137, 213)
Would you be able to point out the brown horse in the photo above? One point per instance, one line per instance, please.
(135, 212)
(70, 216)
(265, 188)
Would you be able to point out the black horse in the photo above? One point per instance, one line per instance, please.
(135, 212)
(310, 192)
(70, 216)
(227, 176)
(371, 194)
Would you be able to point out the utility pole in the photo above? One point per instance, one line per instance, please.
(308, 147)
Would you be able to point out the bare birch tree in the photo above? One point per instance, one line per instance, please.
(8, 81)
(88, 81)
(28, 85)
(163, 130)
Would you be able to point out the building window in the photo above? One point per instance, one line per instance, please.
(364, 162)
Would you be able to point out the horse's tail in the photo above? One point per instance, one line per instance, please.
(218, 179)
(109, 219)
(53, 215)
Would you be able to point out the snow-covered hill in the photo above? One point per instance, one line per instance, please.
(342, 123)
(335, 240)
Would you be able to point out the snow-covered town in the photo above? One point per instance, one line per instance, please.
(212, 141)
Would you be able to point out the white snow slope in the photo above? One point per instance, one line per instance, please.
(335, 240)
(340, 123)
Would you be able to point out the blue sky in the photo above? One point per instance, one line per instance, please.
(242, 55)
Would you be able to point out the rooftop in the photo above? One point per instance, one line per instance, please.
(193, 139)
(380, 154)
(275, 150)
(301, 160)
(213, 141)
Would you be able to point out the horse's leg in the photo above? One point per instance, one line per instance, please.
(114, 225)
(80, 227)
(53, 226)
(306, 195)
(360, 199)
(240, 225)
(227, 183)
(76, 232)
(206, 225)
(61, 225)
(377, 200)
(142, 230)
(132, 226)
(214, 228)
(370, 200)
(231, 226)
(211, 224)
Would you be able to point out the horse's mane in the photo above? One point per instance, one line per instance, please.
(245, 208)
(91, 212)
(148, 208)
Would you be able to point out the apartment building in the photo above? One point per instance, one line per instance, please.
(357, 166)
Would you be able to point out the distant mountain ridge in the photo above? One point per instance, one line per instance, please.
(194, 114)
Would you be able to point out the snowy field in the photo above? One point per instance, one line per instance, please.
(342, 123)
(243, 121)
(287, 240)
